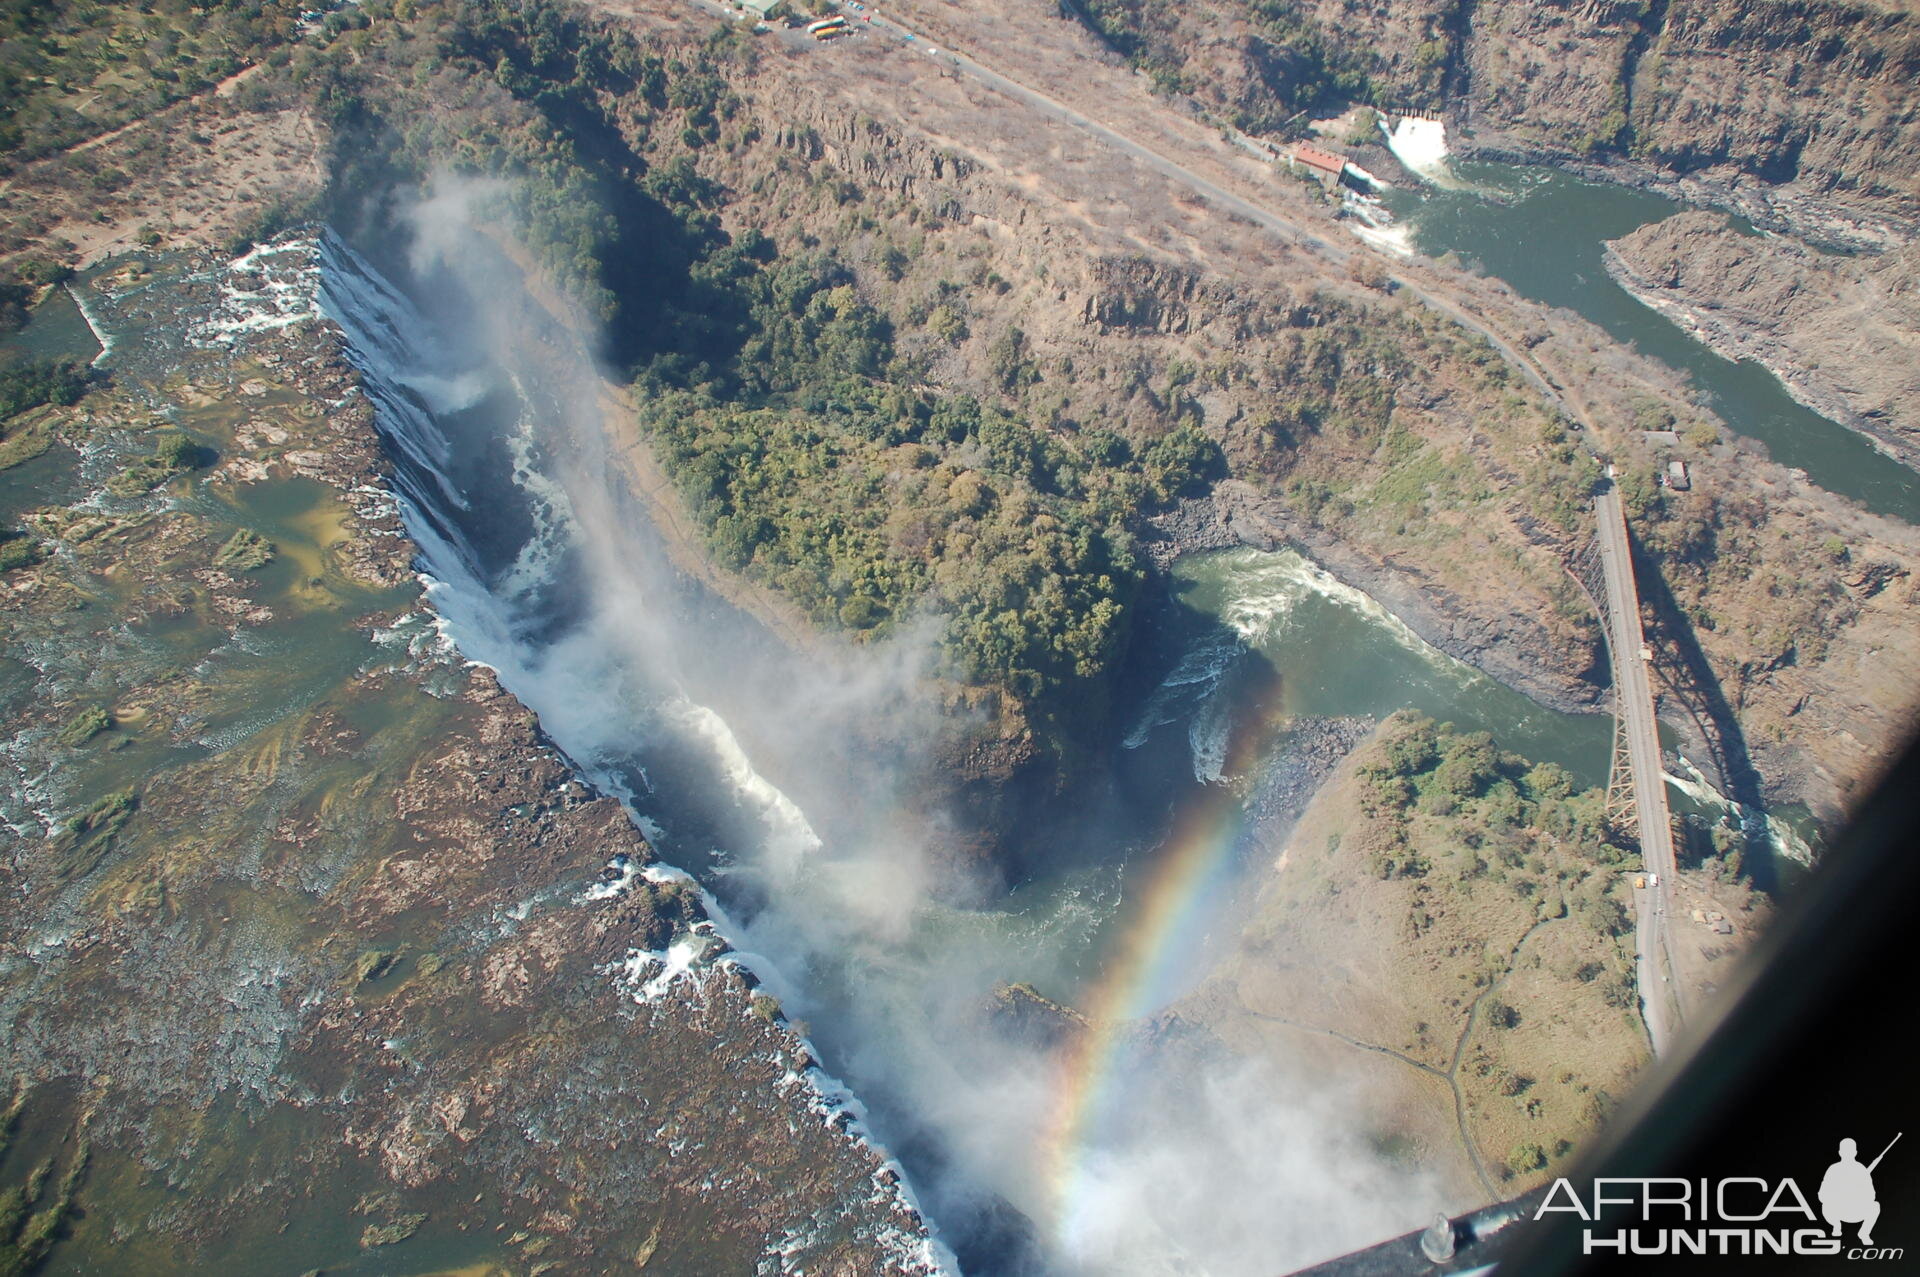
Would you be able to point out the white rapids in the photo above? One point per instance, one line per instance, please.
(1421, 145)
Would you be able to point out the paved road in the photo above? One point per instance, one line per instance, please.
(1633, 688)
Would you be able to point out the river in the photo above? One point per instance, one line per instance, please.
(784, 783)
(1544, 232)
(779, 782)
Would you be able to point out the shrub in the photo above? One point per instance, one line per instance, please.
(173, 453)
(1527, 1158)
(17, 550)
(40, 381)
(244, 551)
(104, 818)
(84, 726)
(1468, 763)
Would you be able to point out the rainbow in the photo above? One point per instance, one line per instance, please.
(1195, 866)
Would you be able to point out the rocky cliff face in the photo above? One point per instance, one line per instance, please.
(1389, 442)
(1818, 95)
(1811, 100)
(1841, 332)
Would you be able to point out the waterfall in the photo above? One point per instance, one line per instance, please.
(786, 783)
(1421, 145)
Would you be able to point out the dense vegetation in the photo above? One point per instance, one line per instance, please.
(24, 386)
(1449, 805)
(804, 440)
(17, 550)
(173, 454)
(40, 381)
(816, 465)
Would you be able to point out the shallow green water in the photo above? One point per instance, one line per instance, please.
(1544, 232)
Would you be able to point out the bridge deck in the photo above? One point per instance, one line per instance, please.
(1633, 691)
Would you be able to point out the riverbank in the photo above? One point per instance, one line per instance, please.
(1505, 649)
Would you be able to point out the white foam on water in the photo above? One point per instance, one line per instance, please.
(612, 888)
(1397, 240)
(1377, 183)
(100, 333)
(648, 974)
(1199, 670)
(551, 508)
(586, 696)
(285, 294)
(660, 874)
(1267, 586)
(1780, 836)
(1209, 735)
(1421, 145)
(388, 344)
(790, 838)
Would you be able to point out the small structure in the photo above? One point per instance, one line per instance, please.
(1324, 166)
(765, 10)
(1677, 477)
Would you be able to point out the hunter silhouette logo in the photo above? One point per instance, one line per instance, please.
(1732, 1216)
(1846, 1194)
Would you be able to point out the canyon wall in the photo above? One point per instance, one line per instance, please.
(1803, 112)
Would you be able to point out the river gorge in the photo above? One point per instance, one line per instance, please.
(793, 786)
(448, 822)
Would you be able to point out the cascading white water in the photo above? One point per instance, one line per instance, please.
(1780, 836)
(589, 699)
(832, 908)
(1421, 145)
(100, 332)
(1194, 677)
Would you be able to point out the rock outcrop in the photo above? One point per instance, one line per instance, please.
(1395, 447)
(1842, 333)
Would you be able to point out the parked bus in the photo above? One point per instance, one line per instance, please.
(827, 28)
